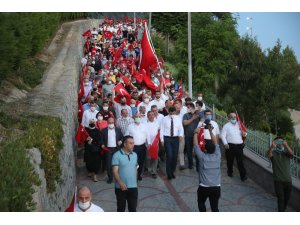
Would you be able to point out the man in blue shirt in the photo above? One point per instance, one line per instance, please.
(124, 163)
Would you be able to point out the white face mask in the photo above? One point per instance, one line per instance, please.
(93, 109)
(132, 105)
(167, 76)
(105, 107)
(137, 120)
(111, 126)
(84, 205)
(109, 82)
(86, 84)
(200, 98)
(146, 100)
(100, 117)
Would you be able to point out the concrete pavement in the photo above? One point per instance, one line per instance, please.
(179, 195)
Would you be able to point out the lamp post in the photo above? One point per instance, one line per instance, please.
(190, 56)
(249, 28)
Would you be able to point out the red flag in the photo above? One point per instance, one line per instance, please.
(147, 54)
(81, 135)
(81, 91)
(107, 34)
(242, 126)
(71, 208)
(148, 83)
(87, 33)
(122, 92)
(80, 111)
(153, 150)
(136, 75)
(104, 150)
(180, 89)
(201, 140)
(125, 79)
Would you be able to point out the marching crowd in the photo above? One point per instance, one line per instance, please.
(134, 115)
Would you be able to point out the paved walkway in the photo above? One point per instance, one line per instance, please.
(179, 195)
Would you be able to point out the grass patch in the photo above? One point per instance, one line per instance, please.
(32, 71)
(18, 176)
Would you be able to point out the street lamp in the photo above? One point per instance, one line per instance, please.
(249, 28)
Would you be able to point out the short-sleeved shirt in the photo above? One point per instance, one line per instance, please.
(127, 168)
(281, 167)
(189, 129)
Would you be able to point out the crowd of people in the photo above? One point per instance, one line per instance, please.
(131, 120)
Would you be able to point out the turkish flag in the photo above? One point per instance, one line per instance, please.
(148, 83)
(87, 33)
(71, 207)
(104, 150)
(147, 54)
(136, 75)
(81, 135)
(107, 34)
(180, 89)
(125, 79)
(201, 140)
(81, 91)
(80, 111)
(242, 126)
(153, 150)
(121, 91)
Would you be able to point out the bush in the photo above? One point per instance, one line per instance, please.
(17, 173)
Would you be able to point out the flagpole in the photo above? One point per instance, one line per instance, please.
(190, 56)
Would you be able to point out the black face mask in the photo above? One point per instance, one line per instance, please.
(92, 125)
(123, 103)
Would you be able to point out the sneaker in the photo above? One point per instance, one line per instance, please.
(173, 176)
(230, 174)
(244, 178)
(109, 181)
(154, 176)
(140, 178)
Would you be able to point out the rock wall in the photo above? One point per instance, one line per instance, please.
(57, 96)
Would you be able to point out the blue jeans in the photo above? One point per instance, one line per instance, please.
(171, 147)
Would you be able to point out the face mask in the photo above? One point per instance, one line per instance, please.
(111, 126)
(84, 205)
(105, 107)
(172, 82)
(172, 91)
(233, 121)
(92, 125)
(208, 117)
(146, 100)
(86, 84)
(137, 120)
(167, 76)
(109, 82)
(200, 98)
(188, 110)
(132, 105)
(100, 117)
(93, 109)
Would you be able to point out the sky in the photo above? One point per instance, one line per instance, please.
(267, 27)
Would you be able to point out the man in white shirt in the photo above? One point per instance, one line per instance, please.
(124, 121)
(143, 114)
(146, 103)
(158, 101)
(122, 105)
(233, 144)
(200, 98)
(157, 116)
(89, 114)
(152, 128)
(139, 133)
(84, 201)
(171, 133)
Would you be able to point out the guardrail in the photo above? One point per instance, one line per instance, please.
(259, 142)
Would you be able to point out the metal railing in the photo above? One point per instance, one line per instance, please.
(259, 142)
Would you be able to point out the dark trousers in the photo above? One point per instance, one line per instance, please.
(235, 151)
(171, 147)
(283, 193)
(140, 150)
(108, 158)
(213, 194)
(130, 196)
(189, 149)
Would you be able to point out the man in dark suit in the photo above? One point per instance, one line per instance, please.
(112, 140)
